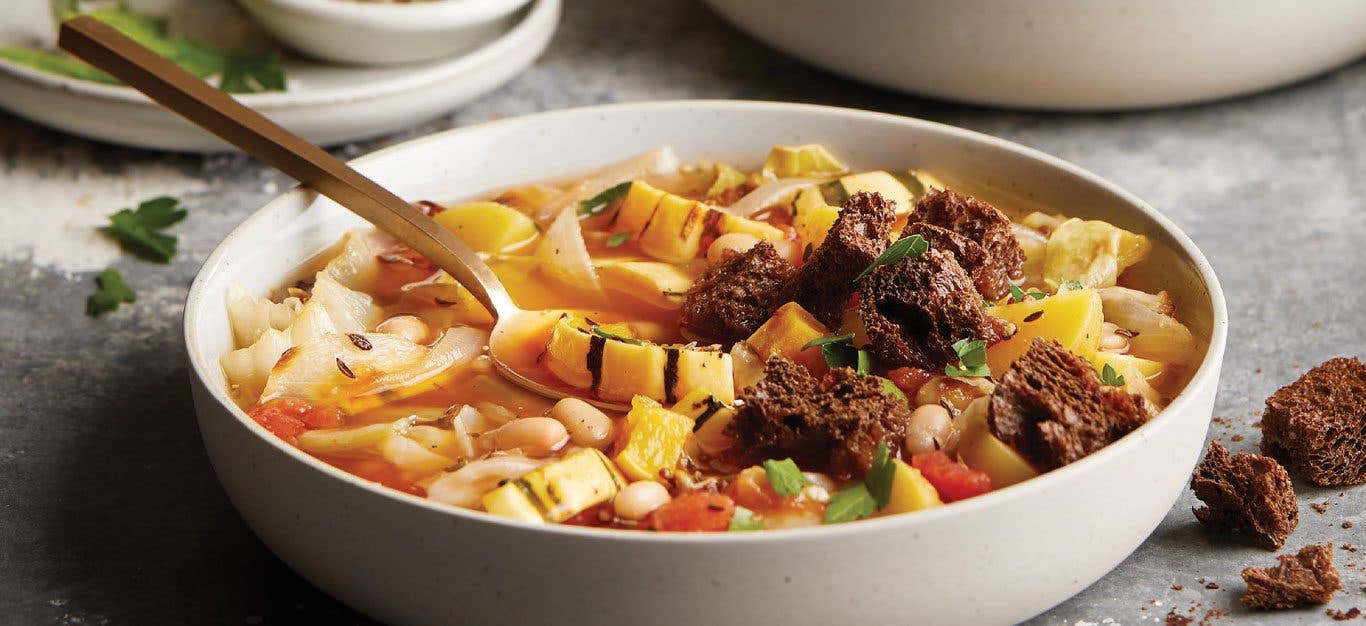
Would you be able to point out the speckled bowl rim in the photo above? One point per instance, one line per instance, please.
(524, 30)
(1184, 247)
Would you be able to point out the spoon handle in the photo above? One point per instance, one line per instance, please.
(215, 111)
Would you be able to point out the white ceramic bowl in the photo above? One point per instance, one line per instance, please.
(359, 32)
(994, 559)
(1062, 54)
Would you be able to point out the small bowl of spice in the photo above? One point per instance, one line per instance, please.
(383, 32)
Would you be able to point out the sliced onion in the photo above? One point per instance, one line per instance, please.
(657, 161)
(465, 486)
(767, 195)
(564, 255)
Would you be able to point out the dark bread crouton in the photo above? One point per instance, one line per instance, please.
(858, 236)
(736, 295)
(916, 309)
(834, 424)
(990, 282)
(982, 224)
(1246, 494)
(1317, 425)
(1307, 577)
(1051, 408)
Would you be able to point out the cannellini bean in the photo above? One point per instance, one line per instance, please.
(1112, 340)
(465, 486)
(930, 428)
(534, 436)
(409, 327)
(738, 242)
(587, 426)
(639, 498)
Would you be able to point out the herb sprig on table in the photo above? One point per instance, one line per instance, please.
(139, 231)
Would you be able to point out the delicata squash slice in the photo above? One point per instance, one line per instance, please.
(772, 329)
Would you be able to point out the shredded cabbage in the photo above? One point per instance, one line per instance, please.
(1091, 252)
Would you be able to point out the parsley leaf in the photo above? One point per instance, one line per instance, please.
(1070, 285)
(1108, 376)
(597, 330)
(601, 202)
(786, 478)
(1018, 295)
(890, 388)
(111, 292)
(879, 477)
(906, 247)
(821, 341)
(252, 73)
(972, 358)
(744, 520)
(865, 363)
(138, 231)
(850, 504)
(618, 238)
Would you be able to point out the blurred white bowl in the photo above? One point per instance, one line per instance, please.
(1062, 54)
(995, 559)
(359, 32)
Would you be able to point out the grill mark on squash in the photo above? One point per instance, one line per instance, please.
(670, 373)
(596, 344)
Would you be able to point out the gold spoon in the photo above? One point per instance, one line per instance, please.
(215, 111)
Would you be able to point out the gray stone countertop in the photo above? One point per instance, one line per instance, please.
(110, 513)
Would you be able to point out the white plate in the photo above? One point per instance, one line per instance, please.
(325, 104)
(1063, 54)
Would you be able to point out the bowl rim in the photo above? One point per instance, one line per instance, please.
(423, 15)
(1206, 374)
(543, 14)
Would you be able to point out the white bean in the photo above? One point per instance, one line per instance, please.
(587, 426)
(639, 498)
(930, 428)
(738, 242)
(534, 436)
(409, 327)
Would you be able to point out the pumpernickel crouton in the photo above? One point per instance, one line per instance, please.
(982, 224)
(736, 295)
(1245, 494)
(914, 310)
(1051, 407)
(860, 233)
(1307, 577)
(833, 424)
(990, 283)
(1317, 425)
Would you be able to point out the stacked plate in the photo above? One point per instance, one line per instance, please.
(367, 68)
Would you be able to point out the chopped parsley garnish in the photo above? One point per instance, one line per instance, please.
(906, 247)
(1108, 376)
(139, 231)
(111, 292)
(890, 388)
(597, 330)
(879, 477)
(1071, 285)
(618, 238)
(850, 504)
(744, 520)
(786, 478)
(862, 499)
(972, 359)
(829, 339)
(601, 202)
(1018, 295)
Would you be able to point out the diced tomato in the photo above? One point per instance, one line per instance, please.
(909, 379)
(699, 511)
(953, 480)
(289, 417)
